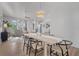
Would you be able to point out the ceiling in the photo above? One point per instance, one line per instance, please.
(22, 9)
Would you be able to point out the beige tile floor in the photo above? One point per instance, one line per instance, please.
(14, 47)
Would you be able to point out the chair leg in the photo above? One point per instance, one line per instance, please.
(36, 49)
(30, 46)
(27, 49)
(35, 52)
(67, 51)
(50, 50)
(23, 46)
(61, 50)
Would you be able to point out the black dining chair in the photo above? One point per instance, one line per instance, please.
(62, 48)
(35, 46)
(26, 43)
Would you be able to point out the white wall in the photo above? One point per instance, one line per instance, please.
(64, 20)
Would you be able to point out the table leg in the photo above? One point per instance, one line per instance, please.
(45, 49)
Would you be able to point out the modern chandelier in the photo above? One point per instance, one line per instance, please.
(40, 13)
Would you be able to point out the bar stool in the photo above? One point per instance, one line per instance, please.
(63, 47)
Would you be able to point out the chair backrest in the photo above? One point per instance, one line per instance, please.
(64, 46)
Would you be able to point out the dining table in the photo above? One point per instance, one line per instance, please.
(47, 39)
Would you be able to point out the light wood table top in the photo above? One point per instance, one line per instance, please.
(45, 38)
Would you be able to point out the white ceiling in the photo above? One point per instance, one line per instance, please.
(22, 9)
(19, 9)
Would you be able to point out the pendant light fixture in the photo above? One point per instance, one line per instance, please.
(40, 13)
